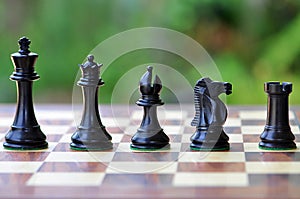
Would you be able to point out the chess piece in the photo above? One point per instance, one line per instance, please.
(90, 134)
(277, 134)
(150, 135)
(25, 132)
(211, 114)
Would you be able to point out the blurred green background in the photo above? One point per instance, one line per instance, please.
(251, 41)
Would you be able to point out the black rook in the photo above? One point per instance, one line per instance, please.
(277, 133)
(25, 133)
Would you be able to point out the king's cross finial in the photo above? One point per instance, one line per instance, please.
(24, 43)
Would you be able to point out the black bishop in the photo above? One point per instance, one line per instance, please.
(150, 135)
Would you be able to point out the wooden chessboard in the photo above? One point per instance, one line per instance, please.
(59, 172)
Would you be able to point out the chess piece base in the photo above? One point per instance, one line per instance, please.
(277, 139)
(274, 146)
(91, 139)
(25, 146)
(142, 141)
(25, 139)
(210, 139)
(97, 146)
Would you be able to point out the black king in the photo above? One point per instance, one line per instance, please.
(150, 135)
(25, 132)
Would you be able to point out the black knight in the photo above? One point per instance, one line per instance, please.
(211, 114)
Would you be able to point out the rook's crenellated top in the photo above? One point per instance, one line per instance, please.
(277, 88)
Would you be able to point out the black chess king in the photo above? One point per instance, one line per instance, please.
(25, 132)
(150, 136)
(90, 134)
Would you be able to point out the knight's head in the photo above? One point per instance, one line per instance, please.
(213, 88)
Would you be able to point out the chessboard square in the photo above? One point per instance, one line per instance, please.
(51, 146)
(66, 138)
(251, 138)
(253, 115)
(236, 147)
(186, 138)
(55, 129)
(63, 147)
(175, 138)
(273, 167)
(14, 179)
(262, 122)
(116, 138)
(216, 179)
(253, 147)
(258, 129)
(73, 167)
(211, 167)
(54, 137)
(131, 130)
(9, 155)
(267, 156)
(232, 130)
(115, 121)
(172, 114)
(67, 122)
(188, 121)
(292, 115)
(125, 147)
(232, 122)
(273, 180)
(259, 115)
(6, 122)
(2, 136)
(207, 156)
(235, 138)
(80, 157)
(114, 130)
(142, 167)
(172, 129)
(185, 147)
(102, 156)
(295, 129)
(137, 115)
(19, 167)
(253, 122)
(126, 138)
(63, 179)
(128, 181)
(165, 156)
(54, 115)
